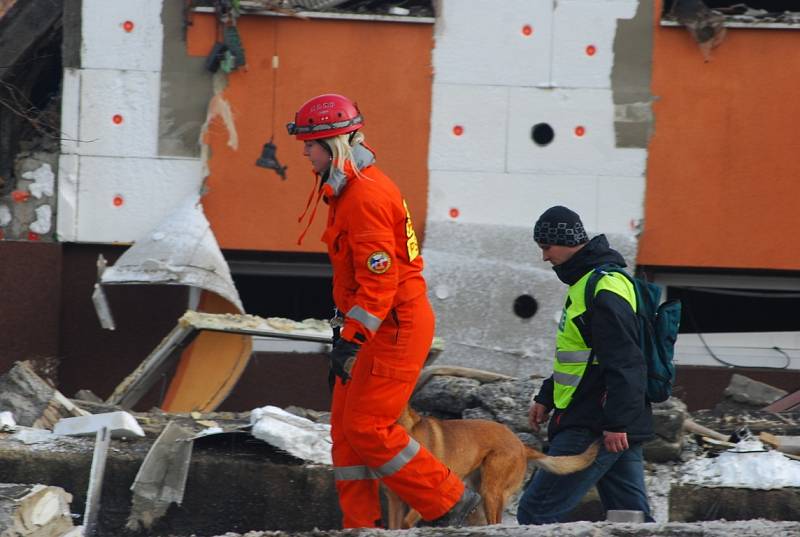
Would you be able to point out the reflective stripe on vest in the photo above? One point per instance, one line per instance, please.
(572, 352)
(355, 473)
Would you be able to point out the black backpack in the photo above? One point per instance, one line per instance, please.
(658, 330)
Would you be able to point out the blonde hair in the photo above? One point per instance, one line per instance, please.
(342, 150)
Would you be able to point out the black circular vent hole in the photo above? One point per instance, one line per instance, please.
(525, 306)
(542, 134)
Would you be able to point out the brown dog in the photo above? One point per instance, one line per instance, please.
(465, 446)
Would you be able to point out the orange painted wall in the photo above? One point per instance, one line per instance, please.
(723, 173)
(385, 67)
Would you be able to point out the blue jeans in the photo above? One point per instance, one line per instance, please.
(619, 478)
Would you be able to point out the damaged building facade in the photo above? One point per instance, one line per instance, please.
(682, 156)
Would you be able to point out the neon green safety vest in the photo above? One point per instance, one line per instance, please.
(572, 352)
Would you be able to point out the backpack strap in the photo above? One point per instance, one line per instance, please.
(588, 298)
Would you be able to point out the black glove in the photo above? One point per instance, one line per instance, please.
(342, 358)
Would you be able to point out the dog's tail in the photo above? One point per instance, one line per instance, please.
(563, 464)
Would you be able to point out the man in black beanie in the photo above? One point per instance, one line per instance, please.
(597, 389)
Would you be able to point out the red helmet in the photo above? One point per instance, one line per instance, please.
(325, 116)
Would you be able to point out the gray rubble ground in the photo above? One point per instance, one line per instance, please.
(748, 528)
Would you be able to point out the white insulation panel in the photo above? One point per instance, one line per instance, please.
(67, 214)
(119, 113)
(70, 110)
(583, 41)
(121, 199)
(124, 35)
(491, 42)
(620, 204)
(583, 124)
(509, 199)
(481, 112)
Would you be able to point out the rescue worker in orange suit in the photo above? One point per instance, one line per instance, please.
(387, 326)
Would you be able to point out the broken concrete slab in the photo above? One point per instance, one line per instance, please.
(691, 503)
(752, 392)
(234, 483)
(120, 424)
(32, 401)
(34, 510)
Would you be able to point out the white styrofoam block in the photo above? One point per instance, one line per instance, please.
(148, 189)
(119, 424)
(482, 42)
(106, 43)
(67, 213)
(579, 24)
(620, 203)
(70, 110)
(594, 153)
(481, 111)
(508, 199)
(131, 95)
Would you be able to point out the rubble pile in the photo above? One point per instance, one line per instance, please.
(207, 474)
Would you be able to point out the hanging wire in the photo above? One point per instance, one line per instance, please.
(688, 309)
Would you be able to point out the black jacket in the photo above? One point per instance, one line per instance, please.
(611, 394)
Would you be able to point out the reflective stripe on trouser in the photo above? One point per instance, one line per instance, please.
(367, 442)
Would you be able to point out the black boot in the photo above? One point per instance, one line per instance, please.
(458, 514)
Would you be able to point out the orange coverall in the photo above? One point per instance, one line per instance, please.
(378, 285)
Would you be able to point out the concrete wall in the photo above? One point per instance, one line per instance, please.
(566, 64)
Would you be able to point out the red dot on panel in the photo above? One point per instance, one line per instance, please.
(580, 130)
(458, 130)
(127, 26)
(118, 201)
(527, 30)
(33, 236)
(20, 196)
(591, 50)
(454, 213)
(117, 119)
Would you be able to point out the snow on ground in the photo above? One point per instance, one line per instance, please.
(296, 435)
(748, 465)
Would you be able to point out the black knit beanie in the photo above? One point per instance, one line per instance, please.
(561, 226)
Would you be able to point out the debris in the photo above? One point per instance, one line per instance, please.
(88, 396)
(705, 25)
(786, 444)
(34, 510)
(752, 392)
(135, 385)
(297, 436)
(33, 402)
(119, 424)
(691, 426)
(7, 421)
(182, 250)
(161, 479)
(98, 470)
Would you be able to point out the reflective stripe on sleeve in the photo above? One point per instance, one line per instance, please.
(573, 357)
(353, 473)
(364, 317)
(565, 379)
(399, 460)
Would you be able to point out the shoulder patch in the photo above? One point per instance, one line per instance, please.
(379, 262)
